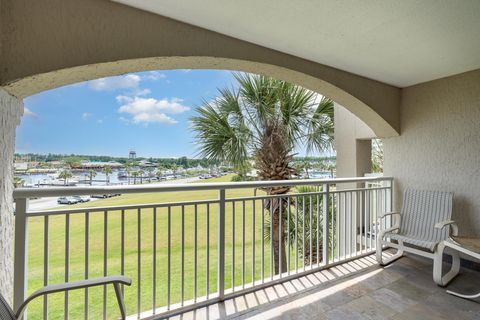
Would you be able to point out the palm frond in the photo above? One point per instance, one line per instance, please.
(320, 129)
(219, 138)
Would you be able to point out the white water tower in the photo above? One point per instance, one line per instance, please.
(132, 155)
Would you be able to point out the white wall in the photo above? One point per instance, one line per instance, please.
(439, 145)
(11, 109)
(352, 144)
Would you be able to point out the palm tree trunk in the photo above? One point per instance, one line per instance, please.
(278, 241)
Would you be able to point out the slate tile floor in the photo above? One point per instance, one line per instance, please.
(360, 290)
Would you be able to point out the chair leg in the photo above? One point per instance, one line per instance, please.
(438, 277)
(464, 296)
(397, 255)
(121, 303)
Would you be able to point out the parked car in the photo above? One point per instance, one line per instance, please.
(103, 196)
(67, 200)
(82, 198)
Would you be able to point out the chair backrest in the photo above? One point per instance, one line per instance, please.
(6, 313)
(421, 210)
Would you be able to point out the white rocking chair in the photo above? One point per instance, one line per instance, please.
(6, 313)
(423, 223)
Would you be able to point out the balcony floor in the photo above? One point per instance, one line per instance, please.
(356, 290)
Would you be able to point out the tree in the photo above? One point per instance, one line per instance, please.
(303, 166)
(91, 174)
(264, 119)
(331, 168)
(72, 162)
(174, 169)
(141, 173)
(135, 175)
(328, 167)
(150, 172)
(160, 169)
(107, 170)
(18, 182)
(128, 170)
(65, 175)
(303, 227)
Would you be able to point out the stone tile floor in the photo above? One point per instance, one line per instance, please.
(356, 290)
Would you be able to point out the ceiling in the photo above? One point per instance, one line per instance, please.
(397, 42)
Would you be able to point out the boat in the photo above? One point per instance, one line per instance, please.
(122, 174)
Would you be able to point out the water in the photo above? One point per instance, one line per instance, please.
(319, 175)
(42, 178)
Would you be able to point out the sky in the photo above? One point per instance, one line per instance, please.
(146, 111)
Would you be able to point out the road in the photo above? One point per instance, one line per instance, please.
(51, 202)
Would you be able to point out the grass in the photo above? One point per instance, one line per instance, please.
(56, 251)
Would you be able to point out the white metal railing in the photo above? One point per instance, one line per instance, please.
(181, 255)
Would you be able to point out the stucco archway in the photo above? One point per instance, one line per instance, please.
(91, 39)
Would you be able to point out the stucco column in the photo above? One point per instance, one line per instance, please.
(352, 144)
(11, 111)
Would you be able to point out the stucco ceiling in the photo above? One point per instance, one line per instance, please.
(397, 42)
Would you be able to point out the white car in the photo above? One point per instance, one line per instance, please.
(67, 200)
(82, 198)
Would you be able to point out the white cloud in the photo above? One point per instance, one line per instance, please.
(86, 115)
(99, 121)
(186, 70)
(129, 81)
(29, 113)
(142, 92)
(150, 110)
(155, 75)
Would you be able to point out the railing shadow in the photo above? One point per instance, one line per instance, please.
(324, 284)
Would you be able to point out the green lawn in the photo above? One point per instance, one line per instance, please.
(96, 257)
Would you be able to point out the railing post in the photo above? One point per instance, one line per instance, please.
(20, 281)
(221, 245)
(325, 252)
(390, 201)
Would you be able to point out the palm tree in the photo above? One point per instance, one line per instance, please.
(301, 166)
(128, 169)
(107, 170)
(141, 173)
(135, 175)
(150, 173)
(174, 169)
(18, 182)
(301, 224)
(91, 174)
(264, 119)
(65, 175)
(159, 171)
(331, 168)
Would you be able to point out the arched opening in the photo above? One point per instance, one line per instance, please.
(45, 81)
(99, 219)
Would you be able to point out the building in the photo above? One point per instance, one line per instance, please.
(132, 155)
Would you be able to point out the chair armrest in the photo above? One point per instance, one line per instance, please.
(82, 284)
(386, 214)
(452, 224)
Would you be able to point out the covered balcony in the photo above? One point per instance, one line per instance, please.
(406, 72)
(211, 246)
(212, 258)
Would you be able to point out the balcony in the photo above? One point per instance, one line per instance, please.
(204, 251)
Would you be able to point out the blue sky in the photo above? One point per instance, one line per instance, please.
(145, 111)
